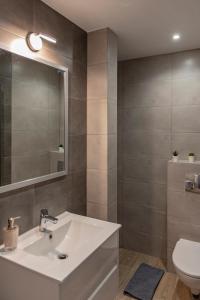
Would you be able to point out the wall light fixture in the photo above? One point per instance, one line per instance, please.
(34, 40)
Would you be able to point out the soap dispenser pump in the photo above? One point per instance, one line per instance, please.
(10, 234)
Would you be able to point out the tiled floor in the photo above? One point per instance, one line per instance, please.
(170, 288)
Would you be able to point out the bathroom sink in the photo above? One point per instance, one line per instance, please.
(77, 258)
(67, 238)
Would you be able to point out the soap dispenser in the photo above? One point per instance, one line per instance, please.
(10, 234)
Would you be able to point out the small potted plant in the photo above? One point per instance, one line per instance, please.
(191, 157)
(175, 156)
(61, 148)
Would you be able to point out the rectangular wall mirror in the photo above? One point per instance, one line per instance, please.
(33, 121)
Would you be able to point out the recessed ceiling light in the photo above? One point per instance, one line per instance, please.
(176, 36)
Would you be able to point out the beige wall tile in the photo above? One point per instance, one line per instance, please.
(97, 157)
(97, 211)
(97, 82)
(97, 186)
(97, 47)
(102, 122)
(97, 117)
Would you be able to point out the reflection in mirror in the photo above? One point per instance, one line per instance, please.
(31, 119)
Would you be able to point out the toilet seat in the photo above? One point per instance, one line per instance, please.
(186, 257)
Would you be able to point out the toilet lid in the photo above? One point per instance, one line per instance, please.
(186, 257)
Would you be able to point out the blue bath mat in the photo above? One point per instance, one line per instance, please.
(144, 282)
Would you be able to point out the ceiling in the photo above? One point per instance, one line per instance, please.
(143, 27)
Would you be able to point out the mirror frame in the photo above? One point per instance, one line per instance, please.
(43, 178)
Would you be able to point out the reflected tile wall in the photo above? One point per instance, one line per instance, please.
(36, 117)
(5, 117)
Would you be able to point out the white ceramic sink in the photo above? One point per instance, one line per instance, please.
(91, 249)
(67, 238)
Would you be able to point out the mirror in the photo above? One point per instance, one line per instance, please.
(33, 109)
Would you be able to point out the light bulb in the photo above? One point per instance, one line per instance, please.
(176, 37)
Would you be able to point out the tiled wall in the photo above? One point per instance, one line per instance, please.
(16, 19)
(182, 207)
(102, 125)
(158, 112)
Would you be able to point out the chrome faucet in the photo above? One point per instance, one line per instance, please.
(44, 218)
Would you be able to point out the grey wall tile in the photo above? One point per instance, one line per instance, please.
(145, 194)
(77, 153)
(145, 220)
(144, 243)
(79, 45)
(186, 91)
(6, 143)
(186, 65)
(112, 50)
(78, 199)
(5, 117)
(77, 117)
(170, 265)
(146, 168)
(17, 17)
(77, 87)
(147, 118)
(112, 118)
(112, 186)
(151, 143)
(183, 206)
(181, 230)
(112, 81)
(112, 151)
(154, 68)
(112, 212)
(5, 66)
(120, 202)
(147, 94)
(186, 119)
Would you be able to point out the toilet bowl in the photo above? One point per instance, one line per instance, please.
(186, 260)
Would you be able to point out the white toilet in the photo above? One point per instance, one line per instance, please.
(186, 259)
